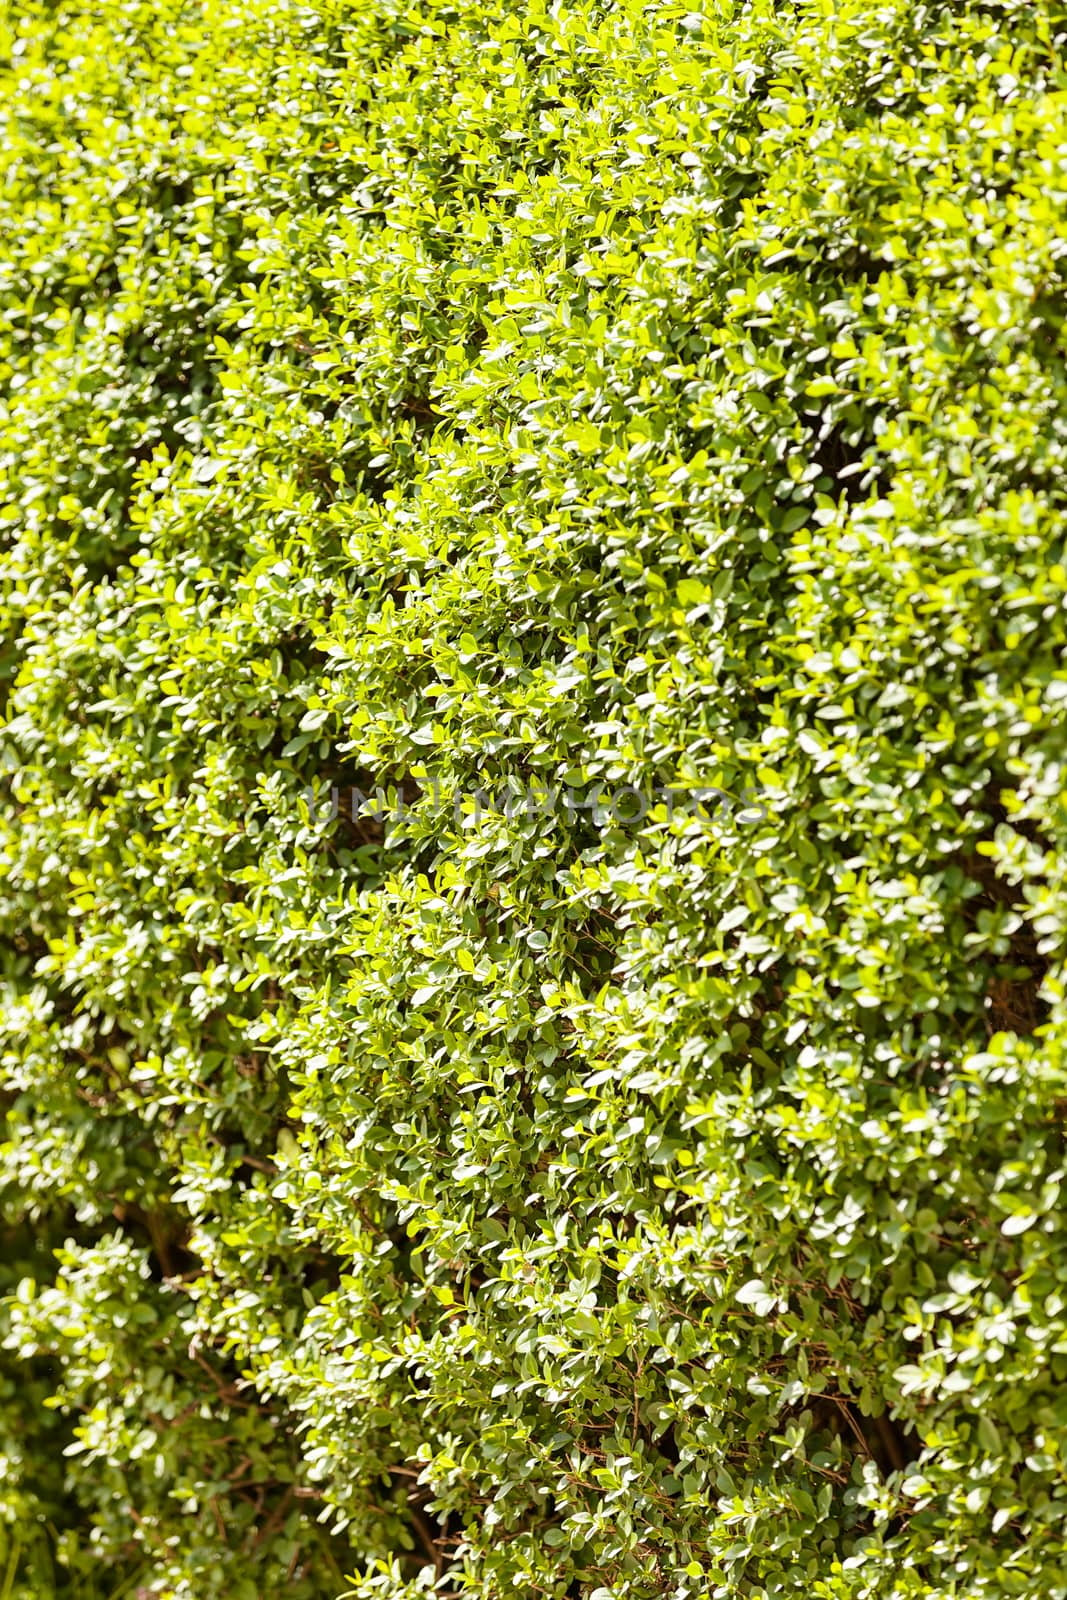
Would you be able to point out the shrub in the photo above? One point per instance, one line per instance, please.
(551, 1176)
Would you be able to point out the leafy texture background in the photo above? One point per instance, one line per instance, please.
(520, 1198)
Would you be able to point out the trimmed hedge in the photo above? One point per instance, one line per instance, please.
(545, 1181)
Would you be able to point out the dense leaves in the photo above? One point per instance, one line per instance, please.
(543, 1179)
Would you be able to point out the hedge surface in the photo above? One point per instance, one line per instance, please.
(538, 1184)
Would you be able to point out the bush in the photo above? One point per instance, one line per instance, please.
(621, 1156)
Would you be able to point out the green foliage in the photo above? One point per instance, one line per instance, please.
(521, 1198)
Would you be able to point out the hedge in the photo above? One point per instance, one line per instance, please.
(533, 847)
